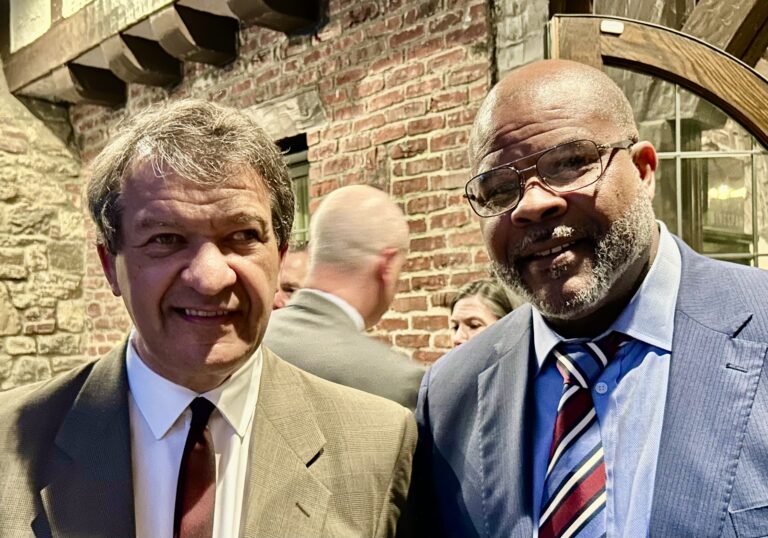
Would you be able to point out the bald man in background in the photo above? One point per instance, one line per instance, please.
(293, 273)
(359, 243)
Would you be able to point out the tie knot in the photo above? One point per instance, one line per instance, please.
(581, 363)
(201, 412)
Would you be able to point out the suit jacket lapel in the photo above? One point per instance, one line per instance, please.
(712, 383)
(283, 497)
(88, 487)
(505, 427)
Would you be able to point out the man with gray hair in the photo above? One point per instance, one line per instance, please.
(190, 427)
(359, 239)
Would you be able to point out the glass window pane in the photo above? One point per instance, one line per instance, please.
(718, 132)
(665, 196)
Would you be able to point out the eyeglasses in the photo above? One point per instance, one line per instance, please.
(564, 168)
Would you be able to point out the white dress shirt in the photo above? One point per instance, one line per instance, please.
(160, 418)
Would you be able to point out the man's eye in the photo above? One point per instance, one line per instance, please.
(246, 235)
(165, 239)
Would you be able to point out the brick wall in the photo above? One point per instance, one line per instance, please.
(400, 82)
(42, 231)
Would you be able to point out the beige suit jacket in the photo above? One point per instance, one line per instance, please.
(325, 460)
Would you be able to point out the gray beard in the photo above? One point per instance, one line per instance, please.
(626, 240)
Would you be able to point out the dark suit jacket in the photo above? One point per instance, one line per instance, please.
(65, 461)
(473, 467)
(317, 336)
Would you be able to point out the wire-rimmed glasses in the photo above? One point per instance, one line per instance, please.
(563, 168)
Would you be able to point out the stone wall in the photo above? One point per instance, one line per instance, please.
(399, 83)
(42, 260)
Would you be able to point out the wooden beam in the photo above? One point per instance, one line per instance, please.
(739, 27)
(569, 6)
(197, 36)
(693, 64)
(73, 36)
(135, 59)
(281, 15)
(75, 83)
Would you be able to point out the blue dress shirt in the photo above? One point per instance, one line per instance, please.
(629, 396)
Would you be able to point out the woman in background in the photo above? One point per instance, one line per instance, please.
(477, 305)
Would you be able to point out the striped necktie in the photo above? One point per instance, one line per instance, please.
(573, 503)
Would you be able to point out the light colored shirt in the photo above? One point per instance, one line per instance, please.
(629, 396)
(160, 418)
(347, 308)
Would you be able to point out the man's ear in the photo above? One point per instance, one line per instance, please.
(108, 266)
(645, 160)
(388, 270)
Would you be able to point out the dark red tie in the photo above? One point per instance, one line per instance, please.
(196, 490)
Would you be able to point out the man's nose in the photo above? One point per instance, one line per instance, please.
(537, 203)
(209, 271)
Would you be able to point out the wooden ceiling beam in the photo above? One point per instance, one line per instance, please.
(196, 36)
(74, 83)
(139, 60)
(287, 16)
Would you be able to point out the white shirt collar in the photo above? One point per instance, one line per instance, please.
(162, 402)
(648, 317)
(347, 308)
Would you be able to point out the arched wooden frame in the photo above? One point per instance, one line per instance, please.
(705, 70)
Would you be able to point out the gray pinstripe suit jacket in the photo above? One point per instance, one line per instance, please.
(472, 472)
(325, 460)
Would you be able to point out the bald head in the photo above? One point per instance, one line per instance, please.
(550, 88)
(354, 223)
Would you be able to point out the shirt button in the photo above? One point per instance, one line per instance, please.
(601, 388)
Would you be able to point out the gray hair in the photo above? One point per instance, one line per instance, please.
(200, 141)
(353, 223)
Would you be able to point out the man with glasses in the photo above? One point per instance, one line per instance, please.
(626, 399)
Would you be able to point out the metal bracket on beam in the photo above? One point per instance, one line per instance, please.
(281, 15)
(135, 59)
(197, 36)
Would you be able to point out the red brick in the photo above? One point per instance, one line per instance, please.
(408, 148)
(430, 323)
(321, 188)
(444, 22)
(423, 87)
(322, 151)
(404, 74)
(447, 100)
(422, 11)
(412, 340)
(348, 112)
(417, 226)
(404, 36)
(457, 160)
(468, 73)
(419, 263)
(404, 285)
(392, 324)
(471, 35)
(451, 181)
(425, 48)
(348, 40)
(452, 139)
(447, 59)
(386, 99)
(368, 123)
(426, 244)
(417, 184)
(338, 165)
(462, 117)
(452, 259)
(459, 279)
(406, 110)
(422, 165)
(463, 239)
(351, 75)
(408, 304)
(481, 257)
(388, 133)
(368, 86)
(390, 60)
(450, 220)
(336, 131)
(356, 143)
(425, 125)
(330, 66)
(478, 91)
(427, 357)
(444, 341)
(339, 95)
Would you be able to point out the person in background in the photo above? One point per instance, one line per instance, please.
(359, 243)
(293, 273)
(190, 427)
(477, 305)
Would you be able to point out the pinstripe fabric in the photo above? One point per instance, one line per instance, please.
(574, 489)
